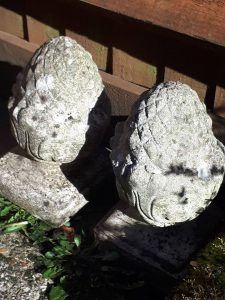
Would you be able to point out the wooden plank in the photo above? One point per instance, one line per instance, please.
(202, 19)
(122, 94)
(98, 51)
(15, 50)
(133, 69)
(218, 127)
(39, 32)
(219, 104)
(135, 59)
(11, 22)
(92, 30)
(42, 22)
(195, 64)
(198, 86)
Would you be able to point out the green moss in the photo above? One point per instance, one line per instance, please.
(207, 275)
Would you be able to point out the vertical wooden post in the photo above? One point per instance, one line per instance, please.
(219, 104)
(39, 32)
(41, 24)
(11, 21)
(134, 55)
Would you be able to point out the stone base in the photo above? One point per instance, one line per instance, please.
(167, 249)
(41, 188)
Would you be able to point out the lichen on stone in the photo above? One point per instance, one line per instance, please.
(58, 109)
(165, 157)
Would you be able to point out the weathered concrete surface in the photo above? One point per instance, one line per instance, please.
(168, 249)
(167, 162)
(59, 109)
(51, 192)
(18, 278)
(40, 188)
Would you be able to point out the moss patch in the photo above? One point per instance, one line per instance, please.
(207, 274)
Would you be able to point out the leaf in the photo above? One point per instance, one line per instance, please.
(57, 293)
(5, 211)
(31, 219)
(4, 202)
(63, 279)
(2, 224)
(49, 254)
(15, 227)
(52, 272)
(59, 250)
(58, 235)
(77, 240)
(67, 224)
(44, 226)
(12, 229)
(65, 244)
(49, 263)
(20, 215)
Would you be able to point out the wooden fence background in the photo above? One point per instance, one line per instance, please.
(144, 42)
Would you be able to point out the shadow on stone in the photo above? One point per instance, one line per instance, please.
(47, 190)
(181, 170)
(164, 253)
(7, 78)
(167, 249)
(92, 165)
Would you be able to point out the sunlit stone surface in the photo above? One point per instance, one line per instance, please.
(58, 109)
(167, 162)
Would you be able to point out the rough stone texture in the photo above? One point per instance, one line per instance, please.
(166, 159)
(58, 109)
(18, 278)
(47, 191)
(167, 249)
(40, 188)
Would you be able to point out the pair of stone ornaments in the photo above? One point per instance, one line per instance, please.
(166, 160)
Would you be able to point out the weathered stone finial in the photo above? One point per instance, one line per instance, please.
(58, 110)
(165, 157)
(59, 113)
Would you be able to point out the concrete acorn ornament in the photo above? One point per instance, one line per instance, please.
(59, 113)
(167, 162)
(58, 109)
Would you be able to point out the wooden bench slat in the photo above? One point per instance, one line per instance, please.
(201, 19)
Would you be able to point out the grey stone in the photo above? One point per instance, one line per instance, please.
(169, 249)
(167, 162)
(18, 277)
(48, 191)
(40, 188)
(58, 109)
